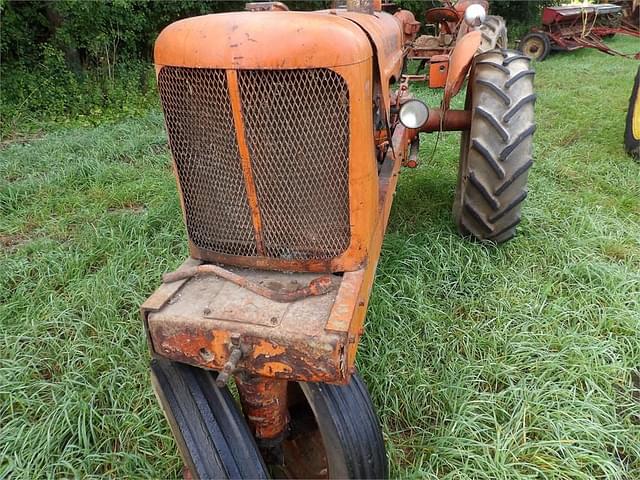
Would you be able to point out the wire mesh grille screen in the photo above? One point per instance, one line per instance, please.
(203, 142)
(297, 130)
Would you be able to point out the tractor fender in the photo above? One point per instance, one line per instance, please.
(459, 64)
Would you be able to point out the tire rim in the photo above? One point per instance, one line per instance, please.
(533, 48)
(304, 451)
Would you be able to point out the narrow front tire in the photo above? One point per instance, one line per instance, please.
(212, 435)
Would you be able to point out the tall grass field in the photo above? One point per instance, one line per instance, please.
(514, 362)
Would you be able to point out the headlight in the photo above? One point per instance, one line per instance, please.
(474, 15)
(413, 113)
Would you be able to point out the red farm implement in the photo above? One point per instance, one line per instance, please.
(570, 27)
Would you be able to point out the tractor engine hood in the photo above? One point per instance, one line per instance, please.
(263, 40)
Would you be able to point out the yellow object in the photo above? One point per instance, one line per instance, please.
(635, 121)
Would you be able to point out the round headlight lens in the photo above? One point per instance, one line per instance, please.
(474, 15)
(413, 113)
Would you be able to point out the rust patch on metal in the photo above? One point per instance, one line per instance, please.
(299, 360)
(264, 404)
(345, 304)
(447, 121)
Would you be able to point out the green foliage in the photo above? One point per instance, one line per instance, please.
(91, 33)
(520, 15)
(79, 60)
(50, 94)
(99, 33)
(521, 11)
(85, 61)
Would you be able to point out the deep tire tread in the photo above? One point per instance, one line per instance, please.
(488, 156)
(484, 191)
(494, 34)
(520, 171)
(477, 216)
(497, 90)
(495, 123)
(510, 206)
(496, 154)
(508, 60)
(508, 115)
(497, 66)
(509, 228)
(508, 150)
(523, 74)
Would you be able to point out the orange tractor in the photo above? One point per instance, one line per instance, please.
(287, 132)
(447, 24)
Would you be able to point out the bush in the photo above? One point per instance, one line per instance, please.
(50, 91)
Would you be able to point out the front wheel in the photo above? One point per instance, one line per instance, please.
(334, 433)
(212, 436)
(496, 153)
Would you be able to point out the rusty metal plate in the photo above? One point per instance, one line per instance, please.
(302, 346)
(196, 324)
(237, 304)
(213, 298)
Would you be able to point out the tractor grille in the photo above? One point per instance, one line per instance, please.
(296, 126)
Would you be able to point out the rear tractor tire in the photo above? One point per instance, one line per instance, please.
(494, 34)
(496, 153)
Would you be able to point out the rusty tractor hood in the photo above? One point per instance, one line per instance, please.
(263, 40)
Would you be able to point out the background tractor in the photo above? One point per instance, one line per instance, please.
(448, 25)
(288, 131)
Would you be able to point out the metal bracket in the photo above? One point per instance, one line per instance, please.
(237, 351)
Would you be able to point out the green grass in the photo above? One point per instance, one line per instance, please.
(519, 361)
